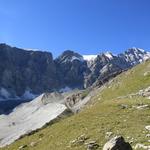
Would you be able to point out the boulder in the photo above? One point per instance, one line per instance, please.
(143, 107)
(147, 127)
(141, 146)
(92, 145)
(108, 135)
(145, 92)
(33, 144)
(22, 147)
(117, 143)
(147, 73)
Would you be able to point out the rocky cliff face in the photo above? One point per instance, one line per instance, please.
(22, 71)
(28, 73)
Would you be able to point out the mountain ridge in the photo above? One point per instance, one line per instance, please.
(23, 71)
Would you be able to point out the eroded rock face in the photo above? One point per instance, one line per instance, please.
(117, 143)
(22, 70)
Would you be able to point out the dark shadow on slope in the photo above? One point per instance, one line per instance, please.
(7, 106)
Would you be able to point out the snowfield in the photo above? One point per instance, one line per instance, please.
(28, 117)
(89, 57)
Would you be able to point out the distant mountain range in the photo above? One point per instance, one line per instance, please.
(26, 74)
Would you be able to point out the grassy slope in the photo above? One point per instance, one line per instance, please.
(103, 114)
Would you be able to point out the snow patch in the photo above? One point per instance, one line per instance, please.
(89, 57)
(77, 58)
(109, 55)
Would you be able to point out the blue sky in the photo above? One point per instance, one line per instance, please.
(85, 26)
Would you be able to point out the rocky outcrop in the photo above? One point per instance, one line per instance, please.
(92, 145)
(82, 140)
(74, 98)
(145, 92)
(117, 143)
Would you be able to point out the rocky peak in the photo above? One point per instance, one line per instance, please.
(101, 60)
(70, 69)
(70, 56)
(135, 50)
(109, 55)
(3, 45)
(135, 55)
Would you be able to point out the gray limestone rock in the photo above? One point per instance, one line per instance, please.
(117, 143)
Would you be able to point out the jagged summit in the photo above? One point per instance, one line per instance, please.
(135, 55)
(69, 55)
(109, 55)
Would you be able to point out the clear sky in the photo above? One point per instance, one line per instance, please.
(85, 26)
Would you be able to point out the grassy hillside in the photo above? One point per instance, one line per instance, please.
(105, 113)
